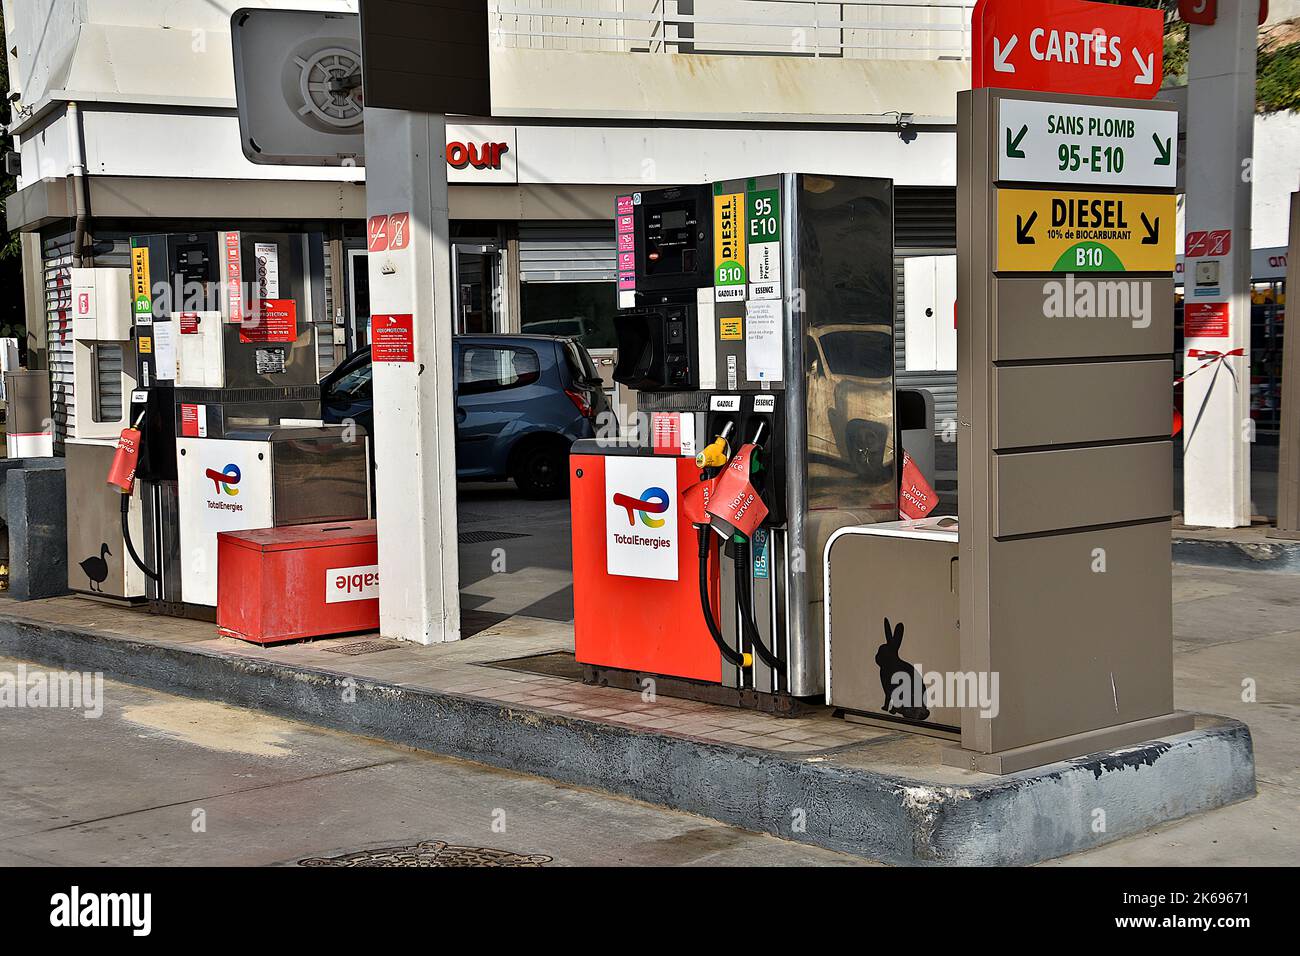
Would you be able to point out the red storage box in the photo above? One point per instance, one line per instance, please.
(284, 584)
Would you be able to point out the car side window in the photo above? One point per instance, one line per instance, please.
(494, 368)
(356, 384)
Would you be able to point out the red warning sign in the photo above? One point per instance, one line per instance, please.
(1205, 320)
(377, 234)
(272, 320)
(399, 231)
(392, 338)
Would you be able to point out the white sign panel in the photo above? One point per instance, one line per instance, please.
(223, 486)
(267, 281)
(764, 355)
(641, 517)
(1086, 145)
(360, 583)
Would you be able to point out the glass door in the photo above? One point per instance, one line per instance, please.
(475, 279)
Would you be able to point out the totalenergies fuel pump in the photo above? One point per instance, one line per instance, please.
(756, 325)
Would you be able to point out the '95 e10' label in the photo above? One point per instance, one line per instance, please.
(352, 584)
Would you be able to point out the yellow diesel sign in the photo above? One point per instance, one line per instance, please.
(1043, 230)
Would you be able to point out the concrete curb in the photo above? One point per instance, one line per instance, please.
(1273, 554)
(1018, 819)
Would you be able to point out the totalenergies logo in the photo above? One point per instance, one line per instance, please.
(653, 501)
(224, 481)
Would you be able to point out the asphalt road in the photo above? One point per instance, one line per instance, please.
(165, 780)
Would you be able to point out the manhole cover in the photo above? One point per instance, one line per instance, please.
(431, 853)
(362, 647)
(479, 537)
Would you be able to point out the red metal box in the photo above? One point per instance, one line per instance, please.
(285, 584)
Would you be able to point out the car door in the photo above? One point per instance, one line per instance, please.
(494, 390)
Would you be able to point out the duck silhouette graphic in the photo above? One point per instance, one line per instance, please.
(97, 568)
(901, 682)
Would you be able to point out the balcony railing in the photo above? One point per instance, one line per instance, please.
(860, 29)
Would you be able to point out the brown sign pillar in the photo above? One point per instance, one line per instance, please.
(1065, 336)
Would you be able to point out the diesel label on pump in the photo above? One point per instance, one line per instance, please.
(728, 248)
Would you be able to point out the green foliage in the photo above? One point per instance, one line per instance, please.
(1277, 79)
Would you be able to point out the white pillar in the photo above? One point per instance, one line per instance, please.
(415, 438)
(1220, 141)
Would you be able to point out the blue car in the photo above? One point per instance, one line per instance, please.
(521, 401)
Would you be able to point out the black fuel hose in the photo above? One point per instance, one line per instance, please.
(126, 537)
(729, 653)
(746, 600)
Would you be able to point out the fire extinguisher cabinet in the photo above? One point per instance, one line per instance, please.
(286, 584)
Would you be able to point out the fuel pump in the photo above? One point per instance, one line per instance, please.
(756, 325)
(226, 327)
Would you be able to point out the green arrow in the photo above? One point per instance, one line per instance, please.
(1165, 148)
(1013, 145)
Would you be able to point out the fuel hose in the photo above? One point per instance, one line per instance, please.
(126, 537)
(729, 653)
(740, 545)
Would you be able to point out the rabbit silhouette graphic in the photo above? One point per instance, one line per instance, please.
(901, 682)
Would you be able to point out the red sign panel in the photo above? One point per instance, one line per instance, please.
(1205, 320)
(377, 234)
(392, 338)
(234, 278)
(1068, 46)
(274, 320)
(1206, 12)
(1203, 243)
(399, 231)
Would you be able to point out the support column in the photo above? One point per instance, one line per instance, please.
(415, 438)
(1217, 430)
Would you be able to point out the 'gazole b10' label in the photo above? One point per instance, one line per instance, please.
(728, 247)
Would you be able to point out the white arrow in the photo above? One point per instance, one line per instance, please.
(1000, 54)
(1147, 68)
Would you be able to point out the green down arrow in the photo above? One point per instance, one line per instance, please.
(1165, 149)
(1013, 145)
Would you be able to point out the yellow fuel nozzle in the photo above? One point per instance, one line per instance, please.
(718, 452)
(714, 455)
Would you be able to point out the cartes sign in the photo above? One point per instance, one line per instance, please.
(1067, 46)
(1043, 142)
(1042, 230)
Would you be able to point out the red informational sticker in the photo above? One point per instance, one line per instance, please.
(392, 338)
(666, 433)
(271, 320)
(189, 323)
(193, 421)
(1068, 46)
(1205, 320)
(234, 278)
(735, 502)
(399, 231)
(916, 499)
(1206, 12)
(377, 234)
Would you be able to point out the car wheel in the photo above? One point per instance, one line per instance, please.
(541, 470)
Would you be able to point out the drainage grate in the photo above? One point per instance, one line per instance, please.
(362, 647)
(479, 537)
(431, 853)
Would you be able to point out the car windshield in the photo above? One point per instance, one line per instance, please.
(863, 354)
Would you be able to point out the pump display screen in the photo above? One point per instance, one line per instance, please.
(671, 239)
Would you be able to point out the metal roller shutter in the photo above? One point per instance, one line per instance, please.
(56, 253)
(567, 252)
